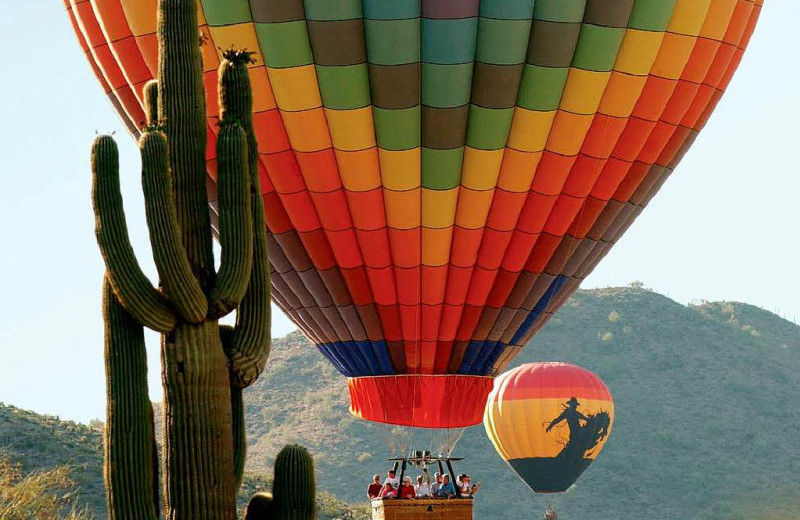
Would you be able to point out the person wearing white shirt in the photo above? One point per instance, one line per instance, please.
(391, 479)
(423, 489)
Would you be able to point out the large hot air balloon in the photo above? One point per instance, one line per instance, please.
(549, 421)
(440, 175)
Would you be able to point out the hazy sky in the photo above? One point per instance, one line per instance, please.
(723, 228)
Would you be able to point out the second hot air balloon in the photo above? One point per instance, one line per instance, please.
(549, 421)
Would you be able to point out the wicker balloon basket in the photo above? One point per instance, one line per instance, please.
(427, 508)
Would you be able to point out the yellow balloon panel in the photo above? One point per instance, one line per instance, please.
(523, 424)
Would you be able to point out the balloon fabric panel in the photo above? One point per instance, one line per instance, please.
(439, 176)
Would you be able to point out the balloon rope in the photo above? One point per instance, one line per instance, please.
(443, 447)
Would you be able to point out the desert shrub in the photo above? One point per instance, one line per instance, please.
(40, 495)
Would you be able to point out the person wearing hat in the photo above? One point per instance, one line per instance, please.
(374, 489)
(465, 487)
(407, 490)
(571, 415)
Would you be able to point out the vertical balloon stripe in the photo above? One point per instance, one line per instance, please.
(122, 44)
(275, 37)
(393, 49)
(501, 49)
(337, 43)
(288, 55)
(449, 35)
(84, 45)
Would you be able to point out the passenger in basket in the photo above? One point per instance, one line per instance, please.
(407, 491)
(465, 487)
(374, 489)
(448, 490)
(423, 489)
(436, 485)
(388, 491)
(391, 478)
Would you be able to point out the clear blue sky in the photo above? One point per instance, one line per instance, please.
(725, 226)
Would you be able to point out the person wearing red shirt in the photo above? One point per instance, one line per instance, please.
(374, 489)
(407, 490)
(388, 491)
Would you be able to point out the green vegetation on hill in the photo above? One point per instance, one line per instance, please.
(705, 418)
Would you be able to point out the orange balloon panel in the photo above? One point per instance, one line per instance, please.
(440, 175)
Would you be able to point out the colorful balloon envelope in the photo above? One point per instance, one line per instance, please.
(440, 175)
(549, 421)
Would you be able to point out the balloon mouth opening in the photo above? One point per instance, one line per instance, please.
(420, 400)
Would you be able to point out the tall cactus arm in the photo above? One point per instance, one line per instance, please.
(235, 94)
(168, 253)
(130, 465)
(252, 340)
(182, 111)
(134, 291)
(237, 409)
(150, 94)
(235, 220)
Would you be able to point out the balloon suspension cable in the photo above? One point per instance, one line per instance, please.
(395, 439)
(552, 505)
(452, 436)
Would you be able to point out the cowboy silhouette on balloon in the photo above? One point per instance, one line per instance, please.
(583, 438)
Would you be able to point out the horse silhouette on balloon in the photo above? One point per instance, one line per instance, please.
(585, 431)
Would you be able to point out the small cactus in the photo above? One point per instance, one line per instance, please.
(293, 494)
(294, 487)
(259, 507)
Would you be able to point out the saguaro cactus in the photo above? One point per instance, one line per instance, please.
(293, 489)
(205, 366)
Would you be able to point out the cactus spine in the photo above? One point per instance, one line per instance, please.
(293, 489)
(204, 366)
